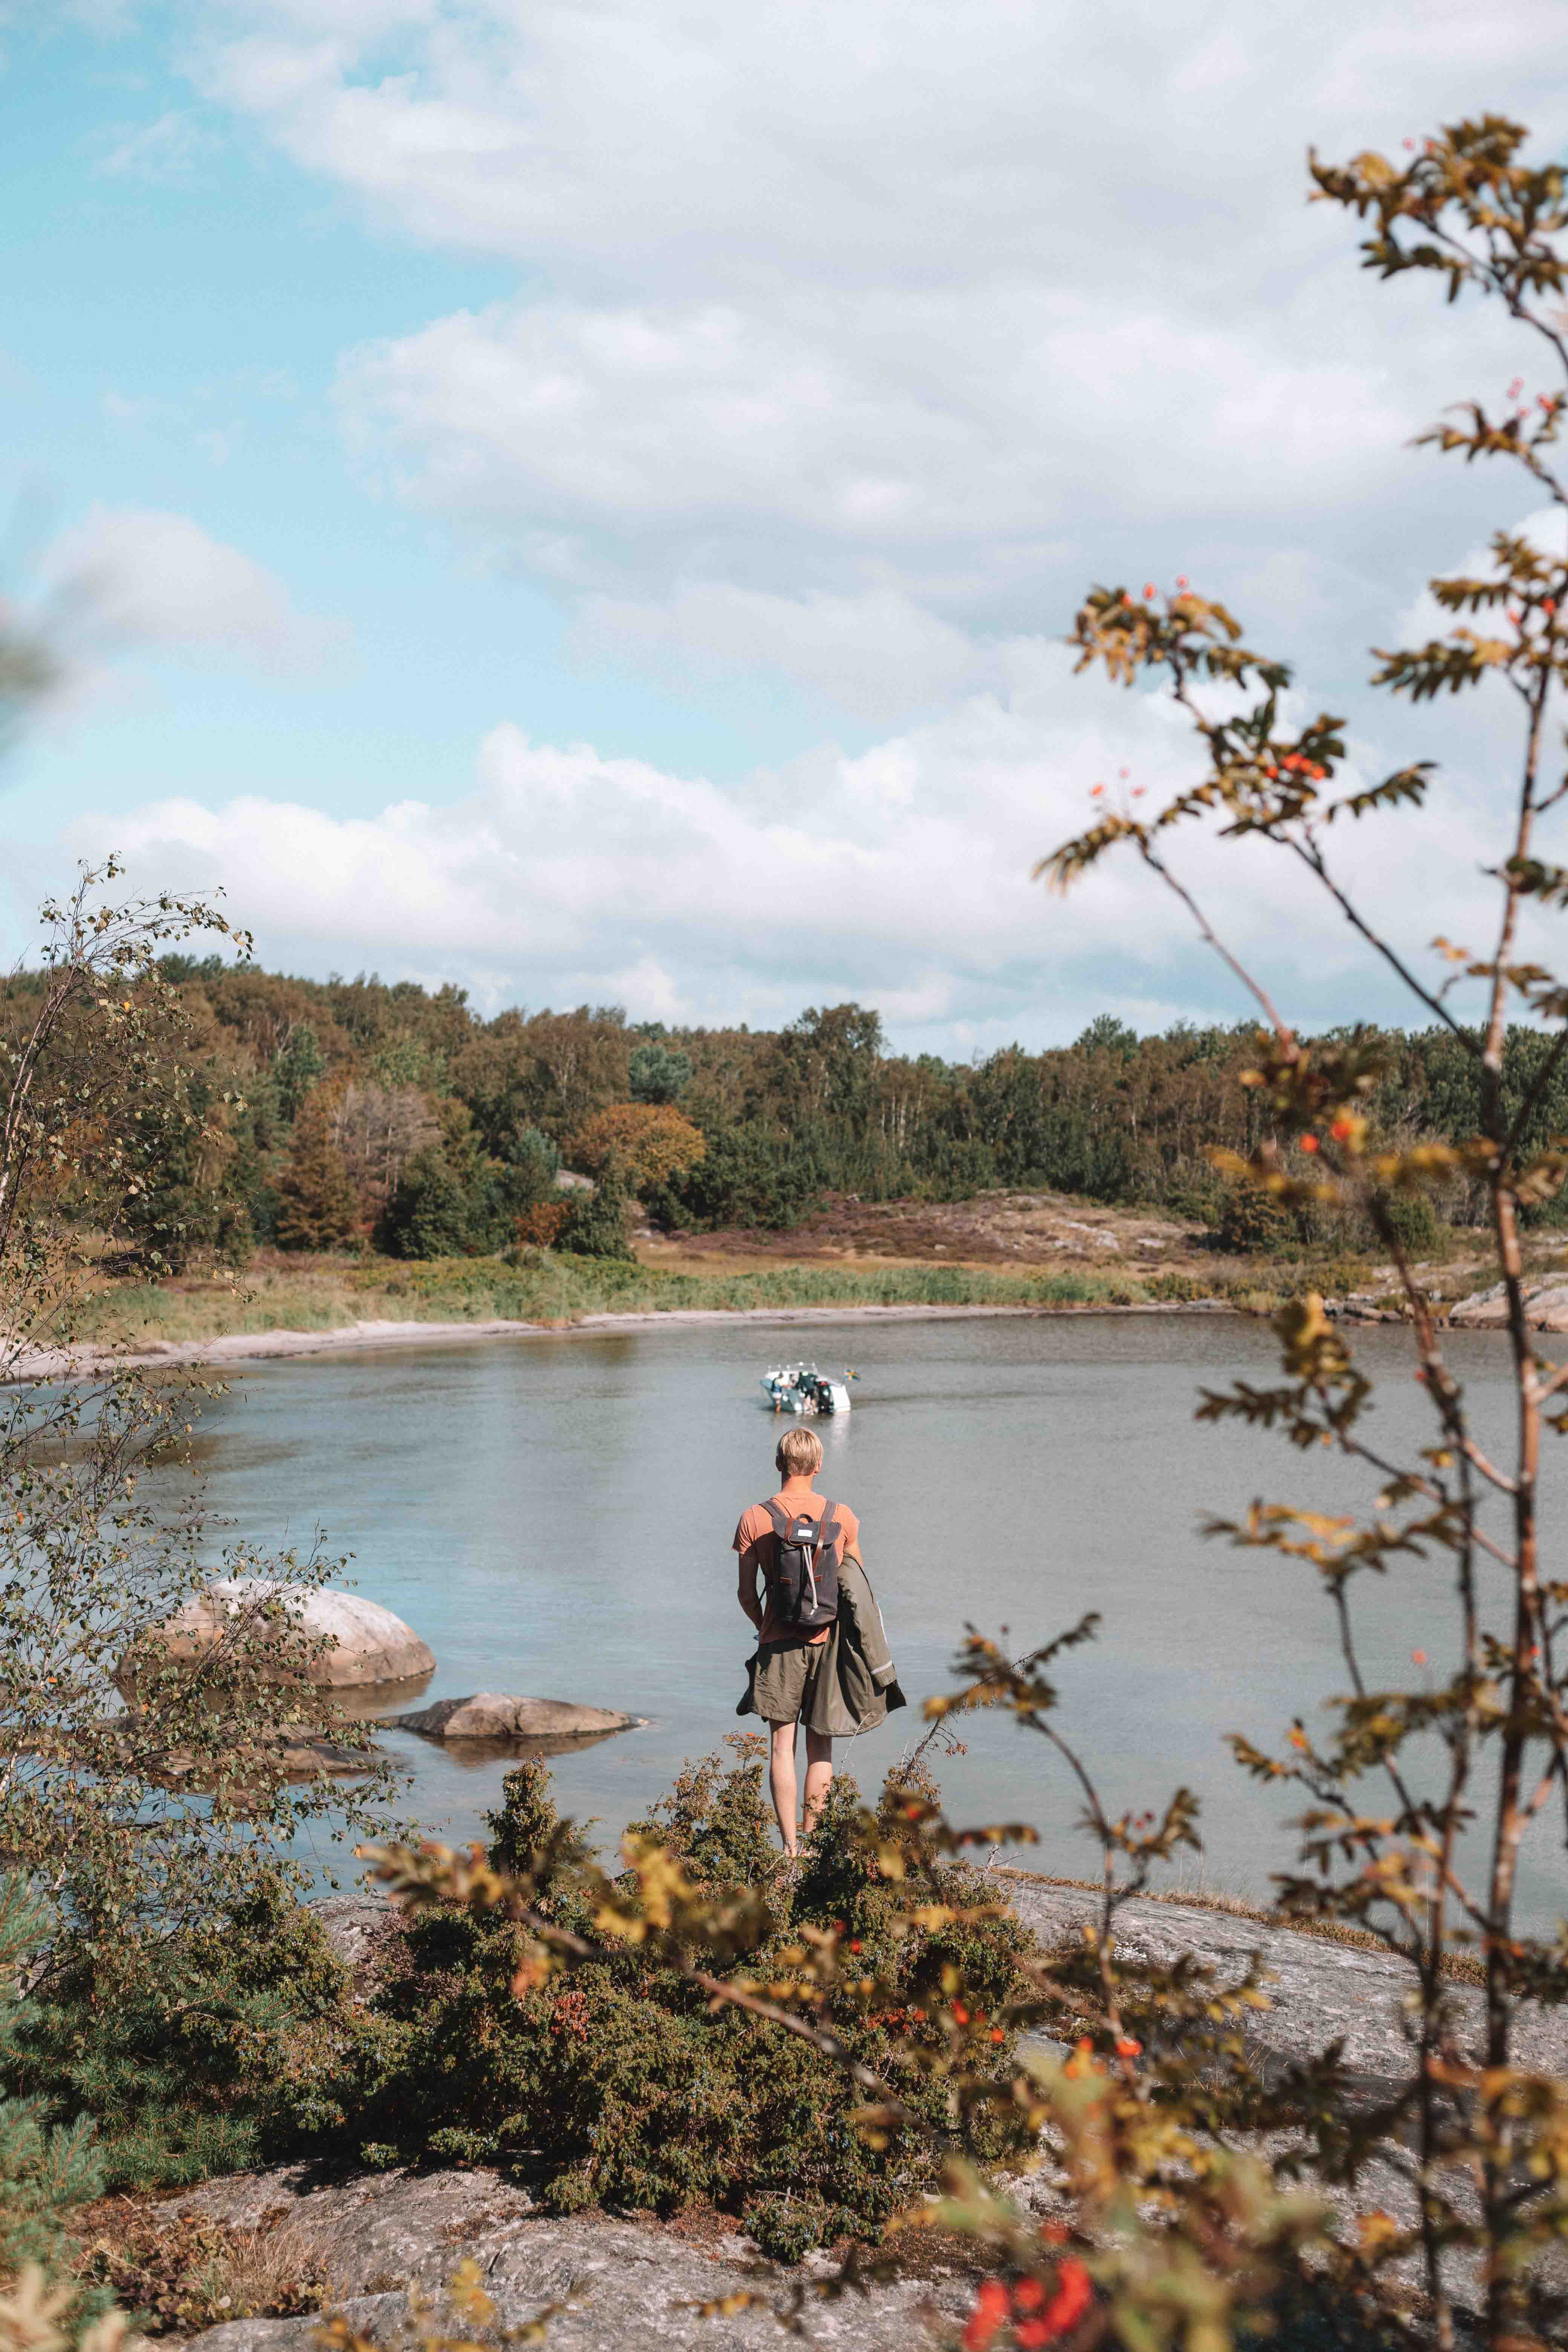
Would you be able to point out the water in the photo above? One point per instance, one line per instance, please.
(554, 1515)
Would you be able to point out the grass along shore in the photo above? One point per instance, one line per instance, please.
(292, 1294)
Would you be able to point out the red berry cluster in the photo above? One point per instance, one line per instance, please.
(1036, 2314)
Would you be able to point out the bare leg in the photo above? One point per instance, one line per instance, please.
(818, 1775)
(782, 1782)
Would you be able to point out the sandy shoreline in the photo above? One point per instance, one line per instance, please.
(255, 1347)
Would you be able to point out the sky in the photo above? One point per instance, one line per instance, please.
(585, 499)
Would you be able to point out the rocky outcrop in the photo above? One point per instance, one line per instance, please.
(496, 1715)
(627, 2286)
(343, 1639)
(631, 2286)
(1545, 1307)
(1318, 1992)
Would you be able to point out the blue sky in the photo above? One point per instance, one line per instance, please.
(583, 499)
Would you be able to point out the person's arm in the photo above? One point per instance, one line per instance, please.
(746, 1592)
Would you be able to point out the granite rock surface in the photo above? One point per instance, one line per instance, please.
(363, 1643)
(627, 2286)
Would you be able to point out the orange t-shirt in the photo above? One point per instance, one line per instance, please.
(754, 1542)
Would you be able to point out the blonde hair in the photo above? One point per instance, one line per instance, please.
(799, 1454)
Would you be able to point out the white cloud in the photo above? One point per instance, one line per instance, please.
(847, 341)
(842, 307)
(792, 444)
(899, 875)
(132, 577)
(869, 140)
(876, 654)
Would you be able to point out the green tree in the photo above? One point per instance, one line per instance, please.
(296, 1066)
(1107, 1034)
(658, 1073)
(429, 1215)
(46, 2169)
(189, 1197)
(597, 1222)
(315, 1192)
(745, 1177)
(535, 1163)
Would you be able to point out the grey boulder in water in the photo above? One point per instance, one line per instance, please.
(495, 1715)
(334, 1640)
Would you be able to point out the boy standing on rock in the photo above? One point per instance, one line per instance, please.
(822, 1655)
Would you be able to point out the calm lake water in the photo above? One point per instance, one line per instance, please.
(554, 1515)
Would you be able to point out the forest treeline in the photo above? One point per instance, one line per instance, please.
(315, 1115)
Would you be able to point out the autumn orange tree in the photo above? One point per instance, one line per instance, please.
(649, 1142)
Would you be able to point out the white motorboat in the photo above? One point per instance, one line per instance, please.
(801, 1388)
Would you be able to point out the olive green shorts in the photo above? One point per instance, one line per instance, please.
(786, 1680)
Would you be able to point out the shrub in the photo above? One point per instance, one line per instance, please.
(1252, 1221)
(49, 2163)
(1414, 1222)
(213, 2048)
(595, 1221)
(1177, 1289)
(615, 2086)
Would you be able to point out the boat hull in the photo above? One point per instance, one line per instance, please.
(829, 1397)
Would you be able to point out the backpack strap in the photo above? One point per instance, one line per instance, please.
(827, 1530)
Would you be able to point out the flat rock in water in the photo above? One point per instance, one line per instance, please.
(352, 1640)
(496, 1715)
(1481, 1308)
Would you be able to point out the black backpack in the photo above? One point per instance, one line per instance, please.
(805, 1567)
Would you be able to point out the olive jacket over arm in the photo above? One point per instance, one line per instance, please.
(858, 1683)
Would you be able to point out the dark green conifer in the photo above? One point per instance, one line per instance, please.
(46, 2169)
(315, 1194)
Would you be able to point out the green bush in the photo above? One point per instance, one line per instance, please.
(1177, 1289)
(787, 2227)
(596, 1224)
(1254, 1222)
(215, 2050)
(616, 2085)
(1414, 1222)
(48, 2161)
(239, 2043)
